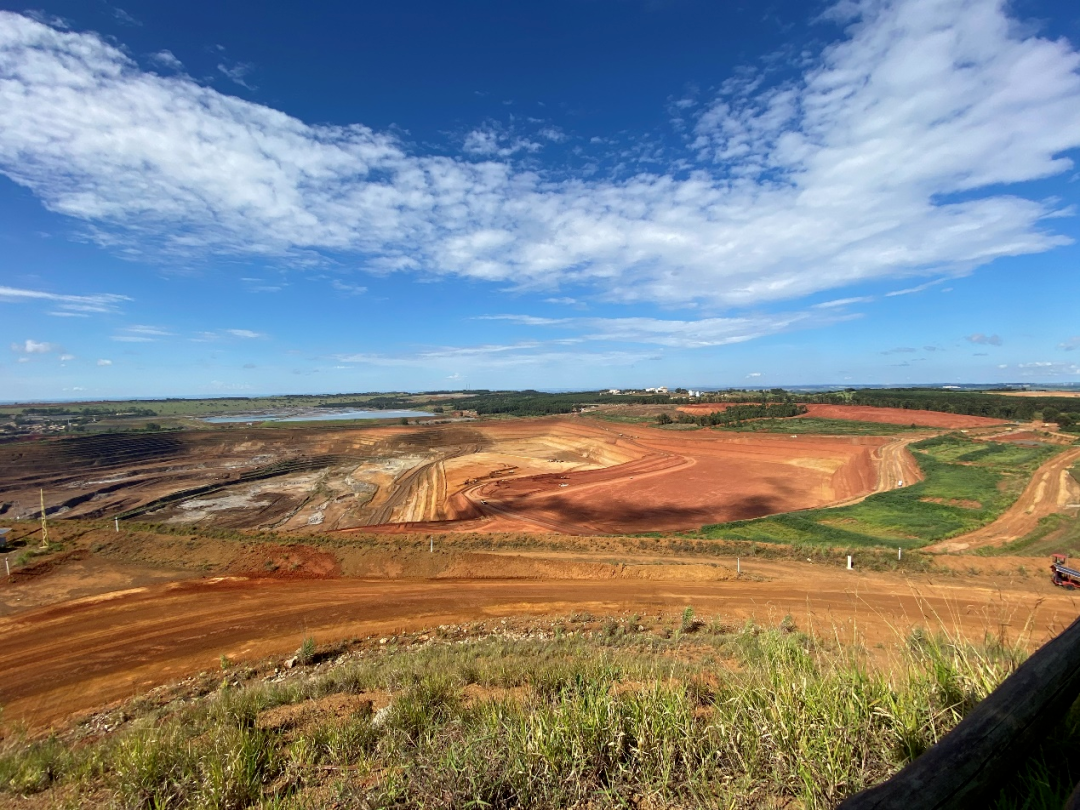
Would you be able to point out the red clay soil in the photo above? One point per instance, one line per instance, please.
(899, 416)
(84, 653)
(286, 562)
(689, 479)
(705, 407)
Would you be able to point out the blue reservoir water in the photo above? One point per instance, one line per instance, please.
(317, 416)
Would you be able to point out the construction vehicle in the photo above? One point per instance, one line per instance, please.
(1067, 578)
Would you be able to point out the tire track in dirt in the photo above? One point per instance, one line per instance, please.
(896, 467)
(1051, 489)
(79, 655)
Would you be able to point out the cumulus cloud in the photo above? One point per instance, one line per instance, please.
(887, 158)
(1071, 344)
(29, 346)
(104, 362)
(984, 340)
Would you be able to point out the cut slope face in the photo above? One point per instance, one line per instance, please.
(565, 474)
(684, 480)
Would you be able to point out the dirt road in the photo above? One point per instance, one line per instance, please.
(82, 654)
(1051, 489)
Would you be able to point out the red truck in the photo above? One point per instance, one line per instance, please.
(1067, 578)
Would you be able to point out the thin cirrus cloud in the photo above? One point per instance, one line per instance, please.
(140, 333)
(885, 159)
(80, 306)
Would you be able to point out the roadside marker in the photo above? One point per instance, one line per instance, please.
(117, 522)
(899, 553)
(849, 562)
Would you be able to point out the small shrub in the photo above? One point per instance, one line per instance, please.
(306, 653)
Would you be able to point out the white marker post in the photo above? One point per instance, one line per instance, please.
(899, 553)
(116, 522)
(738, 566)
(849, 566)
(7, 567)
(431, 540)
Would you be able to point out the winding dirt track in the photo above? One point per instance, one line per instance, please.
(82, 654)
(1051, 489)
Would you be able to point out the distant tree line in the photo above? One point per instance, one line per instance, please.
(970, 403)
(59, 411)
(539, 403)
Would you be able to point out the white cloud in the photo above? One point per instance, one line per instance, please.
(916, 289)
(237, 73)
(1071, 344)
(167, 59)
(839, 177)
(525, 320)
(984, 340)
(34, 347)
(753, 374)
(141, 334)
(246, 334)
(1045, 368)
(104, 362)
(844, 302)
(349, 289)
(64, 358)
(69, 305)
(123, 17)
(494, 142)
(685, 334)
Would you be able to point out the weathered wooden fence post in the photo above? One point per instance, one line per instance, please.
(975, 758)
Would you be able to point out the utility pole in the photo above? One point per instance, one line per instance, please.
(44, 524)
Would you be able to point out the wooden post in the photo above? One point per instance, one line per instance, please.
(974, 759)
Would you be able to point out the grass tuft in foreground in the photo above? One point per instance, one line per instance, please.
(596, 714)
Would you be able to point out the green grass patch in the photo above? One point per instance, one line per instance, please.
(1055, 533)
(956, 468)
(815, 425)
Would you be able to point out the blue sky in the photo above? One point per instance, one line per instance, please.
(239, 199)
